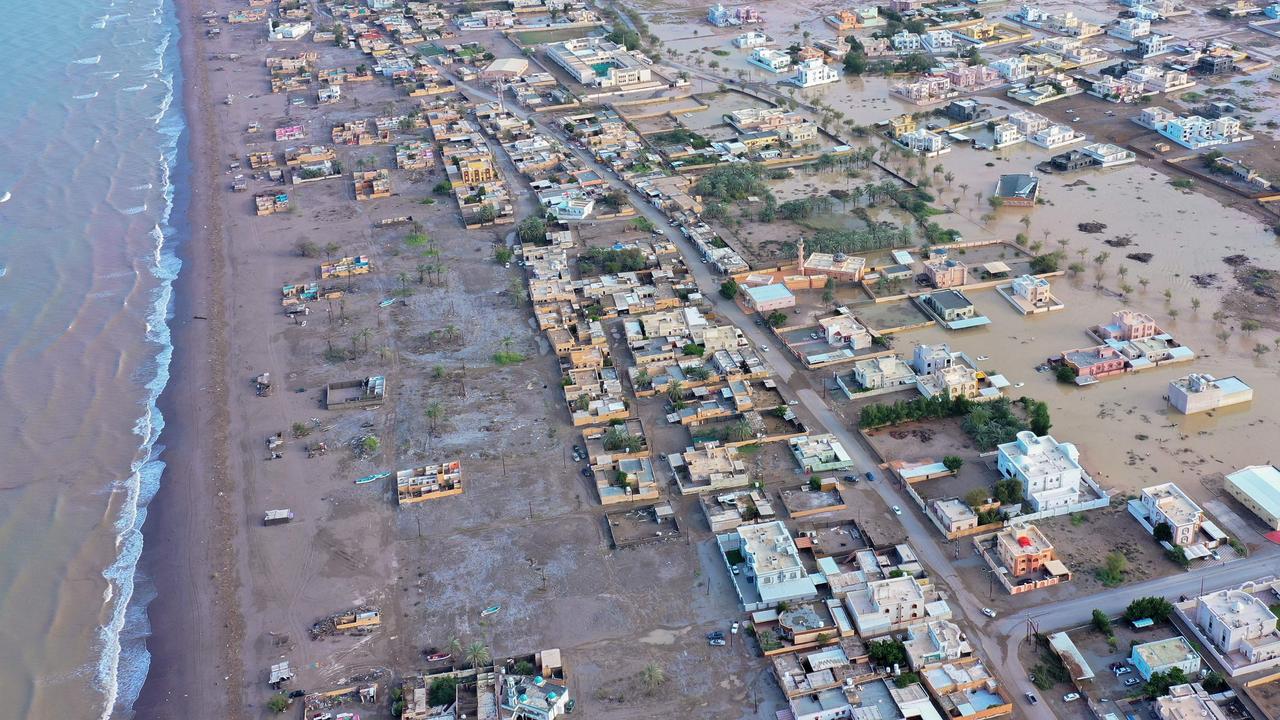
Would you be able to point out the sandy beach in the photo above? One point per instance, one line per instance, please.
(189, 553)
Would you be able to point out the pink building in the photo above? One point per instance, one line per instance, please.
(1128, 325)
(1096, 362)
(945, 272)
(904, 5)
(972, 78)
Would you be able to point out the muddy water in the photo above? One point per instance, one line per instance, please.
(1127, 434)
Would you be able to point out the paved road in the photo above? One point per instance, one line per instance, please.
(999, 638)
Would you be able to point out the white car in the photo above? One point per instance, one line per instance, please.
(989, 612)
(896, 510)
(1123, 670)
(734, 627)
(983, 358)
(764, 348)
(1070, 697)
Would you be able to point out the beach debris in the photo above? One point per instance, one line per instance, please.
(1142, 257)
(1119, 241)
(360, 620)
(262, 384)
(317, 449)
(1092, 228)
(1236, 260)
(1205, 280)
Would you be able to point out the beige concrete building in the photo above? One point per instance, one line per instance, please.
(711, 468)
(1169, 505)
(1188, 702)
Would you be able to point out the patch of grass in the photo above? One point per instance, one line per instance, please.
(508, 357)
(1182, 183)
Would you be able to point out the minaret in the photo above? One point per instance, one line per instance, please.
(800, 254)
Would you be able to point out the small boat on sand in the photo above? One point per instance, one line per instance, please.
(491, 610)
(371, 478)
(387, 302)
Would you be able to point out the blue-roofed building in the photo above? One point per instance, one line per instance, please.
(1257, 487)
(768, 298)
(1164, 655)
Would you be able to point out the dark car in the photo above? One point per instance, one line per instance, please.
(870, 477)
(716, 635)
(851, 478)
(586, 472)
(1031, 698)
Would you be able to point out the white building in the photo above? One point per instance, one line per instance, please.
(1006, 134)
(1049, 471)
(772, 562)
(905, 42)
(1027, 122)
(883, 372)
(1167, 504)
(938, 40)
(751, 39)
(1013, 69)
(1201, 392)
(886, 604)
(775, 61)
(813, 72)
(596, 62)
(925, 142)
(573, 208)
(1130, 29)
(1239, 626)
(1108, 155)
(1055, 136)
(1034, 290)
(927, 358)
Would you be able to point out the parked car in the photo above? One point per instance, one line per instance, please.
(734, 627)
(1123, 670)
(850, 478)
(718, 642)
(1131, 682)
(569, 706)
(989, 612)
(1031, 698)
(737, 569)
(870, 477)
(715, 635)
(586, 472)
(897, 510)
(1071, 697)
(764, 348)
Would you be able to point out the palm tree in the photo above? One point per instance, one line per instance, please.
(435, 411)
(423, 268)
(477, 654)
(1026, 222)
(1195, 304)
(403, 279)
(1144, 282)
(330, 248)
(454, 647)
(363, 336)
(652, 677)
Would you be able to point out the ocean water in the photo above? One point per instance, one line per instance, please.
(89, 159)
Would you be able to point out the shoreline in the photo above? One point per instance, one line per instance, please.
(188, 551)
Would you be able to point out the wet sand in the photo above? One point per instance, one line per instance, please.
(194, 618)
